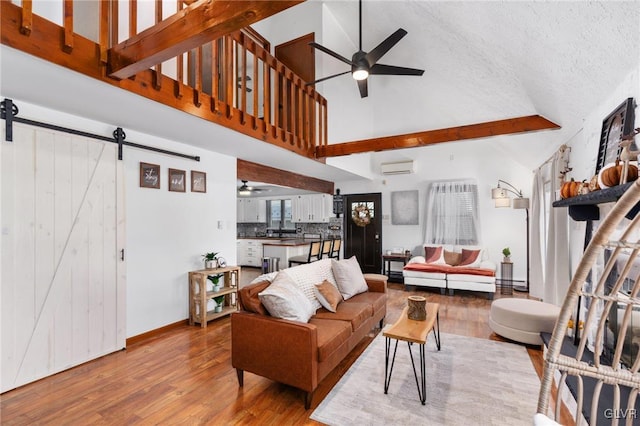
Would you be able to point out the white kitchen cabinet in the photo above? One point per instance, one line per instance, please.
(242, 252)
(250, 253)
(314, 208)
(252, 210)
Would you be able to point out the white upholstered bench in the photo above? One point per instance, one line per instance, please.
(522, 320)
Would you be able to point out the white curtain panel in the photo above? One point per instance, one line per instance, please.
(550, 269)
(452, 213)
(538, 227)
(557, 275)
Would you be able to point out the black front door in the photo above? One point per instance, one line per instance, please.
(363, 230)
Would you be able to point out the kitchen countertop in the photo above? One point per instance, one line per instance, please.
(268, 238)
(290, 242)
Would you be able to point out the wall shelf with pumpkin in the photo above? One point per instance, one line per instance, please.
(585, 207)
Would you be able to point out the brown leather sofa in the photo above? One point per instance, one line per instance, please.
(299, 354)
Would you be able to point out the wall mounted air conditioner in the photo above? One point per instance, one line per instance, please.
(399, 168)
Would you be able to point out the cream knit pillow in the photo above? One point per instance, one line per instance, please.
(349, 277)
(284, 300)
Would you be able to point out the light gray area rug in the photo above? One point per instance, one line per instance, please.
(469, 382)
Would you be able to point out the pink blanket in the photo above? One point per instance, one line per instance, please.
(448, 269)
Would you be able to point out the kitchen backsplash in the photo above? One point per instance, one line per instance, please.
(333, 229)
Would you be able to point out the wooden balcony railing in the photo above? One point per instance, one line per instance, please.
(233, 81)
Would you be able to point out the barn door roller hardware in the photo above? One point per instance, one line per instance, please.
(9, 112)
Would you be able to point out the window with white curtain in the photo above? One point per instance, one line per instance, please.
(452, 213)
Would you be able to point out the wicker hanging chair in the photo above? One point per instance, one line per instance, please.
(604, 383)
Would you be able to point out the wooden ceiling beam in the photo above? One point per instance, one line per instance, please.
(430, 137)
(195, 25)
(254, 172)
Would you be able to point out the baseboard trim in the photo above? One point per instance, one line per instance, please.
(153, 333)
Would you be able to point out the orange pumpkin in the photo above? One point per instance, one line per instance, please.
(610, 174)
(569, 189)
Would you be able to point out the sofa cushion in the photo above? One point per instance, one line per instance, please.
(377, 300)
(452, 258)
(488, 277)
(434, 255)
(355, 313)
(249, 300)
(424, 274)
(328, 295)
(349, 277)
(470, 258)
(284, 300)
(331, 335)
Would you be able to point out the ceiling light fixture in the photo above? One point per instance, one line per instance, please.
(360, 74)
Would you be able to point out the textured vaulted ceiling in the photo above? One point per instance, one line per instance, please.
(492, 60)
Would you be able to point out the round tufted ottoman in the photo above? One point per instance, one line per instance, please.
(522, 320)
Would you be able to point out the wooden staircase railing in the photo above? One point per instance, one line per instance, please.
(233, 81)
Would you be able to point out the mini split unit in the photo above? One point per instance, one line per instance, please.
(399, 168)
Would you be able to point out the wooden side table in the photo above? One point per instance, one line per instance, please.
(506, 278)
(199, 296)
(412, 331)
(386, 265)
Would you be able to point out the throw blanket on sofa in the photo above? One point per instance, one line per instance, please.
(447, 269)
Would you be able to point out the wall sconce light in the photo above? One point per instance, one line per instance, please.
(501, 198)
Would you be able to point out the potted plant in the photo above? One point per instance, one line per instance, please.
(219, 303)
(507, 254)
(210, 260)
(215, 280)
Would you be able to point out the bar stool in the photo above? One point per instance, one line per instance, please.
(327, 246)
(335, 249)
(313, 255)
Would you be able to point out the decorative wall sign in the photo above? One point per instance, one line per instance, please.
(149, 175)
(617, 125)
(198, 181)
(404, 207)
(177, 180)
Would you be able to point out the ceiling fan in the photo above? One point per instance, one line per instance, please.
(245, 189)
(364, 64)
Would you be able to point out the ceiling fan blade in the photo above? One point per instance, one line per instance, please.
(380, 50)
(362, 85)
(331, 52)
(327, 78)
(380, 69)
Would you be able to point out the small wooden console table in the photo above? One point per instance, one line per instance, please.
(386, 265)
(412, 331)
(199, 296)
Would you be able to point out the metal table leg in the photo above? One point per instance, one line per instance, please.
(387, 377)
(436, 330)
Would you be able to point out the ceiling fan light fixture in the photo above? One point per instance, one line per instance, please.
(360, 74)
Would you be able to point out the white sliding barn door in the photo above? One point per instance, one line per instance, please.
(63, 283)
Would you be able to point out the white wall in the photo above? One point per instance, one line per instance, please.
(584, 148)
(500, 227)
(166, 232)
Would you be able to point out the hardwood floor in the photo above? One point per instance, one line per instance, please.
(184, 376)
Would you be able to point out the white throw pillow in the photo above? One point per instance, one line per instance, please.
(284, 300)
(349, 277)
(306, 276)
(264, 277)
